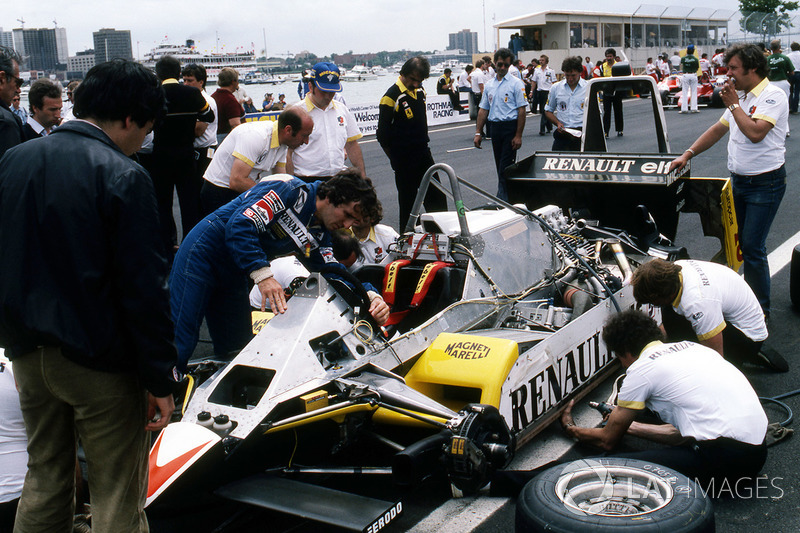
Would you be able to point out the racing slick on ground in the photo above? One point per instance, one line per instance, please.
(565, 106)
(757, 118)
(276, 217)
(689, 67)
(714, 423)
(250, 152)
(710, 302)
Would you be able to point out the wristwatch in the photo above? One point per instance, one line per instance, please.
(733, 107)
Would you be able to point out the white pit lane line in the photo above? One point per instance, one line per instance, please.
(462, 515)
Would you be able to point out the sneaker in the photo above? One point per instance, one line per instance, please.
(696, 111)
(772, 359)
(619, 134)
(682, 112)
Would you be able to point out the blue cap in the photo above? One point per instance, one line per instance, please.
(690, 48)
(325, 76)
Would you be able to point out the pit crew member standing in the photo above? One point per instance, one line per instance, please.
(542, 81)
(715, 425)
(689, 66)
(565, 106)
(335, 133)
(275, 217)
(85, 316)
(781, 69)
(252, 151)
(794, 79)
(503, 106)
(719, 306)
(757, 117)
(403, 134)
(611, 100)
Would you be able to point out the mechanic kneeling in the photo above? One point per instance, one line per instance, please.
(715, 425)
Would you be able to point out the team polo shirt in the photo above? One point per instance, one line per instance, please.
(780, 67)
(691, 387)
(765, 102)
(375, 247)
(255, 143)
(567, 103)
(712, 295)
(209, 137)
(502, 98)
(690, 64)
(324, 154)
(544, 78)
(476, 78)
(402, 119)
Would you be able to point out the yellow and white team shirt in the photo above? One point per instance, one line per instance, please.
(691, 387)
(324, 154)
(765, 102)
(255, 143)
(713, 295)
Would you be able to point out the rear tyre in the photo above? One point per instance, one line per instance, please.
(716, 99)
(611, 494)
(794, 278)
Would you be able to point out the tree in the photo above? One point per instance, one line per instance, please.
(765, 17)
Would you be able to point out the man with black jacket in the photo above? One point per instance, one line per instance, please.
(174, 164)
(85, 314)
(10, 126)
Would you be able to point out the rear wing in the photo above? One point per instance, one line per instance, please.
(613, 186)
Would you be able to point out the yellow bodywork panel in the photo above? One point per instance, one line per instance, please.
(459, 369)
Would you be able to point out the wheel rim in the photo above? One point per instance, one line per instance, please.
(611, 490)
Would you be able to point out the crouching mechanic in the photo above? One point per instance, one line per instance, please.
(715, 425)
(277, 216)
(710, 302)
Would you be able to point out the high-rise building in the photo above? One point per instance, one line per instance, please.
(6, 38)
(112, 44)
(464, 40)
(80, 63)
(42, 49)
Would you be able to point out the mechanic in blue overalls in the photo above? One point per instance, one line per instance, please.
(278, 216)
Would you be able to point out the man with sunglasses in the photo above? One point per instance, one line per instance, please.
(10, 83)
(503, 106)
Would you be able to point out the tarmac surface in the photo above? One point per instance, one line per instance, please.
(771, 503)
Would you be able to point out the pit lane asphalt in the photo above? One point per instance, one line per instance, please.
(770, 503)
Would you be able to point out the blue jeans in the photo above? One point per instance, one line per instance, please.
(756, 199)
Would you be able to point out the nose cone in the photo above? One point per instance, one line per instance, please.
(177, 448)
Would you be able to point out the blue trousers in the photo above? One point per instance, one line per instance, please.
(756, 199)
(205, 282)
(502, 132)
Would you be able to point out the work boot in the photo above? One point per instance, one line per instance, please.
(772, 359)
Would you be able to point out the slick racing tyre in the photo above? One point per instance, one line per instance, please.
(610, 494)
(794, 277)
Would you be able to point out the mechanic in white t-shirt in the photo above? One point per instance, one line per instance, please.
(714, 423)
(721, 308)
(13, 446)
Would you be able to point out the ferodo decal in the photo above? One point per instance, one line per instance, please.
(385, 518)
(263, 211)
(467, 350)
(557, 381)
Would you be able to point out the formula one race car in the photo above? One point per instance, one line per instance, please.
(495, 327)
(496, 320)
(707, 91)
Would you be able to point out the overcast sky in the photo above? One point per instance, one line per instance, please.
(319, 26)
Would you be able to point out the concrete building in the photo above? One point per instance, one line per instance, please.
(112, 44)
(6, 38)
(464, 40)
(635, 36)
(79, 64)
(42, 49)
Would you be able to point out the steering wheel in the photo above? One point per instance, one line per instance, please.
(357, 289)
